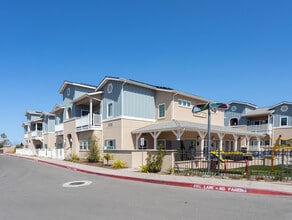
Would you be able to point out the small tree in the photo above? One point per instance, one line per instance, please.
(154, 162)
(108, 157)
(94, 151)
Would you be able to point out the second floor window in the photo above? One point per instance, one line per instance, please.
(161, 111)
(184, 103)
(284, 121)
(110, 110)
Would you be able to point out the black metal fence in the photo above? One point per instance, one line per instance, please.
(256, 165)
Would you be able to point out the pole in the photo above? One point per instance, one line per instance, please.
(209, 139)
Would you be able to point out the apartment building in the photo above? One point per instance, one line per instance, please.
(271, 121)
(121, 113)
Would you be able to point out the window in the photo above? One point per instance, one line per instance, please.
(84, 145)
(110, 110)
(184, 103)
(110, 144)
(284, 121)
(84, 112)
(161, 111)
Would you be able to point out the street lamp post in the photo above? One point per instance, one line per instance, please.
(210, 107)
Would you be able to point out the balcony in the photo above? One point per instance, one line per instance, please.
(84, 123)
(263, 128)
(37, 135)
(59, 129)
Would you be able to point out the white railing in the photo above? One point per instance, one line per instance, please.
(54, 153)
(260, 128)
(59, 129)
(26, 135)
(37, 134)
(84, 122)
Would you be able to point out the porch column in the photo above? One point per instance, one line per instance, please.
(247, 142)
(235, 142)
(178, 133)
(202, 135)
(137, 140)
(221, 136)
(90, 111)
(259, 143)
(155, 136)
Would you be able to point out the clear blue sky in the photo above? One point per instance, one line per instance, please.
(222, 50)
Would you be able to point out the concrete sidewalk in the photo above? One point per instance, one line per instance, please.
(206, 183)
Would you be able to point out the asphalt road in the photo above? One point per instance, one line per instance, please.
(32, 190)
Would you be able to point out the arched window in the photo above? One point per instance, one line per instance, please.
(233, 121)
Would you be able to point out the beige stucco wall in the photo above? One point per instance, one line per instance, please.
(85, 135)
(112, 130)
(50, 140)
(121, 131)
(69, 128)
(174, 111)
(286, 133)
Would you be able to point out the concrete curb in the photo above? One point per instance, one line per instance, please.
(194, 185)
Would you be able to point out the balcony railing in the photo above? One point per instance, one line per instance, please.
(260, 128)
(59, 129)
(38, 135)
(84, 122)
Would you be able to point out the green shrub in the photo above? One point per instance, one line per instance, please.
(154, 161)
(74, 158)
(94, 151)
(118, 164)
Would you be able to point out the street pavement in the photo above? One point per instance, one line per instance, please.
(200, 183)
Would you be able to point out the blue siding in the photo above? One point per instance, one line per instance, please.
(278, 114)
(139, 102)
(241, 109)
(75, 92)
(113, 97)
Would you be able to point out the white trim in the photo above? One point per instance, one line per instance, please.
(129, 118)
(280, 123)
(158, 113)
(107, 115)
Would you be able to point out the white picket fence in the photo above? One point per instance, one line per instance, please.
(54, 153)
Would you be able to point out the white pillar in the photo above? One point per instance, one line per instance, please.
(259, 143)
(247, 142)
(202, 135)
(221, 136)
(137, 140)
(90, 112)
(155, 136)
(235, 142)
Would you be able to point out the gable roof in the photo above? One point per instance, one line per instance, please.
(281, 103)
(149, 86)
(242, 103)
(83, 85)
(259, 112)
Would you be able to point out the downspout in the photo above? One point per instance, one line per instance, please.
(172, 114)
(122, 114)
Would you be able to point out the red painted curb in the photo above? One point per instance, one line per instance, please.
(170, 183)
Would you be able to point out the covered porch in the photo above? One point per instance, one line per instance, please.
(193, 137)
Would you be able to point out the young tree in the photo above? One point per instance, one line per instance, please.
(94, 151)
